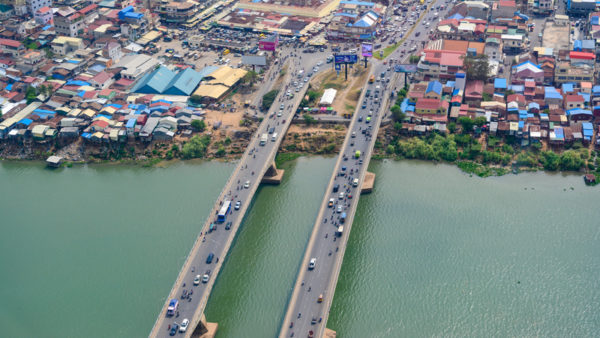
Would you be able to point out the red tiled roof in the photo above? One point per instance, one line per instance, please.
(507, 3)
(43, 10)
(574, 98)
(428, 104)
(102, 77)
(88, 9)
(11, 43)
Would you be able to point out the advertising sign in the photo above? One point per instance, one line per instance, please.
(405, 68)
(367, 50)
(268, 43)
(346, 58)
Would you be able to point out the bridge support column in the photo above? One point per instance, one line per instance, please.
(273, 175)
(368, 183)
(329, 333)
(205, 329)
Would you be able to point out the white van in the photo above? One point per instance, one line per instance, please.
(274, 137)
(355, 182)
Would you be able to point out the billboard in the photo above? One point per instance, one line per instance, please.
(346, 58)
(269, 43)
(367, 49)
(408, 68)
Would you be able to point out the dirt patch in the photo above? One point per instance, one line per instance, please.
(556, 36)
(348, 91)
(318, 139)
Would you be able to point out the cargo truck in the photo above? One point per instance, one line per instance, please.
(263, 139)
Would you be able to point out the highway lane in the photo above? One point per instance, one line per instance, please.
(308, 309)
(241, 187)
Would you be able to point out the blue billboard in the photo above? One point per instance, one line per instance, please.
(346, 58)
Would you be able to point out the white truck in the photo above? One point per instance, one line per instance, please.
(263, 139)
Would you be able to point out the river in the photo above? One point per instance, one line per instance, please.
(92, 251)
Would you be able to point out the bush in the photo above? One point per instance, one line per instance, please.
(571, 160)
(463, 140)
(199, 125)
(452, 127)
(195, 147)
(467, 124)
(308, 119)
(550, 160)
(220, 152)
(268, 99)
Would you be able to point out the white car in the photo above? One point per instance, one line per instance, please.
(197, 280)
(339, 209)
(184, 325)
(319, 63)
(279, 114)
(312, 263)
(238, 204)
(247, 184)
(206, 277)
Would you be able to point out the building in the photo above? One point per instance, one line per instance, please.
(70, 22)
(134, 66)
(440, 64)
(219, 83)
(19, 6)
(565, 72)
(34, 5)
(581, 6)
(13, 47)
(64, 45)
(43, 15)
(177, 12)
(527, 70)
(512, 43)
(167, 82)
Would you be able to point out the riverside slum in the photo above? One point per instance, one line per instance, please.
(541, 83)
(99, 75)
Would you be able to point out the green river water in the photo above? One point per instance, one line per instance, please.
(92, 251)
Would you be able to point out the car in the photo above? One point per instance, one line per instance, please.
(228, 226)
(238, 204)
(297, 89)
(306, 79)
(342, 173)
(339, 209)
(330, 204)
(197, 279)
(247, 184)
(368, 119)
(312, 263)
(174, 329)
(184, 325)
(354, 134)
(364, 105)
(282, 106)
(320, 299)
(349, 196)
(209, 258)
(279, 113)
(212, 227)
(206, 276)
(360, 118)
(341, 196)
(173, 306)
(319, 63)
(336, 188)
(271, 130)
(313, 321)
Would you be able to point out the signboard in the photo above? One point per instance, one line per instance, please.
(367, 49)
(269, 43)
(346, 58)
(408, 68)
(338, 66)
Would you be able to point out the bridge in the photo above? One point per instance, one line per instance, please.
(215, 239)
(313, 292)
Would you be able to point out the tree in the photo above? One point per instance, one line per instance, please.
(268, 99)
(466, 123)
(571, 160)
(195, 147)
(197, 99)
(30, 94)
(199, 125)
(398, 126)
(250, 77)
(480, 121)
(477, 67)
(308, 119)
(550, 160)
(397, 113)
(452, 127)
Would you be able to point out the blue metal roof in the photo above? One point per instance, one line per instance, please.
(25, 122)
(596, 90)
(434, 86)
(567, 87)
(130, 123)
(587, 126)
(500, 83)
(586, 97)
(578, 111)
(551, 93)
(358, 3)
(184, 82)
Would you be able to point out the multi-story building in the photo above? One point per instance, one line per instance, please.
(70, 22)
(565, 72)
(13, 47)
(64, 45)
(175, 12)
(20, 6)
(43, 15)
(440, 64)
(34, 5)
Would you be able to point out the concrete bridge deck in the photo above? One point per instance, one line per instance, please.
(255, 167)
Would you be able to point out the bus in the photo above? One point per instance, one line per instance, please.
(372, 79)
(223, 212)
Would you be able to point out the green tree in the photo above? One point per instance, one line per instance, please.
(250, 77)
(550, 160)
(269, 98)
(480, 121)
(452, 127)
(199, 125)
(397, 113)
(477, 67)
(398, 126)
(30, 94)
(220, 152)
(308, 119)
(571, 160)
(466, 123)
(197, 99)
(195, 147)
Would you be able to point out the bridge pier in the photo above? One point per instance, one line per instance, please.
(205, 329)
(368, 183)
(273, 175)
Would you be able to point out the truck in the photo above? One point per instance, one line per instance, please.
(372, 79)
(340, 231)
(263, 139)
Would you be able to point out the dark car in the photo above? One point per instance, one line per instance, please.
(336, 188)
(360, 118)
(228, 226)
(174, 329)
(210, 257)
(271, 130)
